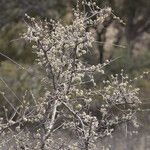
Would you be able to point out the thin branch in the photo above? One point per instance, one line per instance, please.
(10, 89)
(3, 94)
(76, 115)
(116, 45)
(20, 66)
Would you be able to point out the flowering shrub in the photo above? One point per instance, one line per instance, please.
(65, 105)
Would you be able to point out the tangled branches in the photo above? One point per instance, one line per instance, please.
(65, 105)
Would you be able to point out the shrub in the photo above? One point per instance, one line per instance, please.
(66, 102)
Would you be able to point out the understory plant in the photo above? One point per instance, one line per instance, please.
(65, 107)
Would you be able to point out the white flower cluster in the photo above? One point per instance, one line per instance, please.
(121, 102)
(66, 103)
